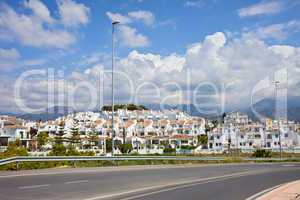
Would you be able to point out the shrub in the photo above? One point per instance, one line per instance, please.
(169, 150)
(262, 153)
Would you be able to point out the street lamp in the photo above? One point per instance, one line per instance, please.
(280, 145)
(114, 23)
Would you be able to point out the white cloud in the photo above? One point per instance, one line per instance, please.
(38, 29)
(73, 14)
(284, 50)
(275, 31)
(240, 61)
(118, 17)
(131, 38)
(39, 9)
(262, 8)
(9, 54)
(199, 3)
(146, 17)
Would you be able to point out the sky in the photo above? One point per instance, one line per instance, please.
(210, 53)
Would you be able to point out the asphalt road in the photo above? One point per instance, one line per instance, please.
(236, 181)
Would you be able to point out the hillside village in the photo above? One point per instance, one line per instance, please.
(149, 132)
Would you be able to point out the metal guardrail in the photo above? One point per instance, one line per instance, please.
(20, 159)
(103, 158)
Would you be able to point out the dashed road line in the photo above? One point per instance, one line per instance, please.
(33, 186)
(76, 182)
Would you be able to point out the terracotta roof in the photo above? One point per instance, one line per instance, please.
(147, 123)
(128, 123)
(181, 122)
(163, 122)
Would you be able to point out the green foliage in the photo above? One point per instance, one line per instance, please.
(42, 139)
(262, 153)
(58, 150)
(71, 151)
(202, 139)
(108, 145)
(169, 150)
(14, 149)
(124, 106)
(126, 148)
(187, 147)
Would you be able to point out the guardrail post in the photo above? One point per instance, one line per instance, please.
(17, 165)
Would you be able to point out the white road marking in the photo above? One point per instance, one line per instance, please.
(288, 165)
(33, 186)
(78, 181)
(255, 196)
(174, 185)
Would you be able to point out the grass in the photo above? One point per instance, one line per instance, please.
(69, 164)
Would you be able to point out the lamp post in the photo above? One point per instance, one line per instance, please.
(114, 23)
(280, 145)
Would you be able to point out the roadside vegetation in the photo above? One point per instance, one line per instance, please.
(16, 149)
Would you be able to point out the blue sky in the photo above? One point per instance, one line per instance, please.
(75, 35)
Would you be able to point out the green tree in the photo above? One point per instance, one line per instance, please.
(202, 139)
(15, 149)
(108, 145)
(58, 150)
(42, 139)
(126, 147)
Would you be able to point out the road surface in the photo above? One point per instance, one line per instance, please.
(230, 181)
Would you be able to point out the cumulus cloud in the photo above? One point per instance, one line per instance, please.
(38, 28)
(275, 31)
(236, 64)
(262, 8)
(39, 9)
(146, 17)
(118, 17)
(9, 54)
(73, 14)
(131, 38)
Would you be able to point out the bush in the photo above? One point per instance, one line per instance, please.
(14, 149)
(262, 153)
(187, 147)
(169, 150)
(58, 150)
(126, 148)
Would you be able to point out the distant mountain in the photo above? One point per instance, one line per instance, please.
(266, 107)
(49, 114)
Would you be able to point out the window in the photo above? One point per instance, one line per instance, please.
(286, 135)
(257, 136)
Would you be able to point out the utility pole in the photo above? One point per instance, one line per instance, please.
(276, 83)
(114, 23)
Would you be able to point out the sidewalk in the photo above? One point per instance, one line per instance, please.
(289, 191)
